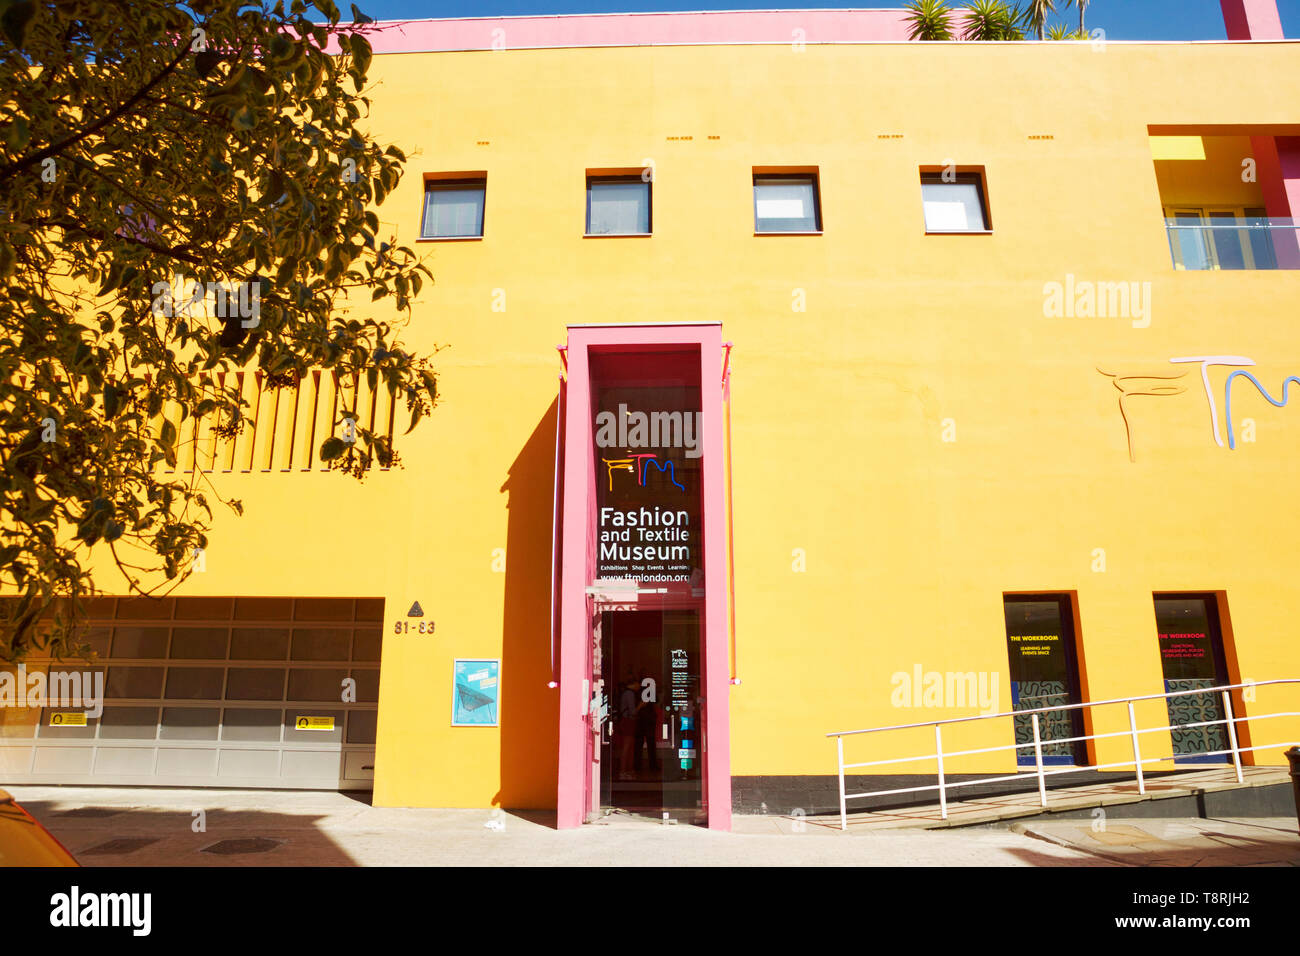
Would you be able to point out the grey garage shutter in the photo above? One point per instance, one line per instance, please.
(221, 692)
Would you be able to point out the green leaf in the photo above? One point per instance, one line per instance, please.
(360, 52)
(14, 21)
(18, 134)
(113, 398)
(331, 448)
(416, 412)
(111, 280)
(206, 62)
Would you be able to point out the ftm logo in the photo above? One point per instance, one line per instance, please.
(632, 430)
(1164, 382)
(74, 908)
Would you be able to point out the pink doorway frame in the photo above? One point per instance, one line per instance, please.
(577, 550)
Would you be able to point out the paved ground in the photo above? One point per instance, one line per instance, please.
(1258, 841)
(164, 827)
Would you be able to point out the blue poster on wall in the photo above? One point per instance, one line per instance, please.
(476, 690)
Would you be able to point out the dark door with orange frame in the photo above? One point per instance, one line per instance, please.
(1044, 678)
(1192, 659)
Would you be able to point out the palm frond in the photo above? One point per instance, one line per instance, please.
(929, 20)
(991, 20)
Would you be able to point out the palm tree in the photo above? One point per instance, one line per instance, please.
(1035, 15)
(1059, 31)
(929, 20)
(1083, 9)
(991, 20)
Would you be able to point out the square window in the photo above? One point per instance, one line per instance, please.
(618, 206)
(786, 204)
(453, 209)
(954, 202)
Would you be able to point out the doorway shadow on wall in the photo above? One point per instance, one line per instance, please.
(529, 709)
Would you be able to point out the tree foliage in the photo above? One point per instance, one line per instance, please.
(992, 20)
(929, 20)
(143, 141)
(1082, 7)
(1035, 15)
(1061, 31)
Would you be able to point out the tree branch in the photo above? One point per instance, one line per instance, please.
(13, 169)
(169, 251)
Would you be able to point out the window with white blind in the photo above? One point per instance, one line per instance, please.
(784, 204)
(618, 206)
(954, 202)
(453, 209)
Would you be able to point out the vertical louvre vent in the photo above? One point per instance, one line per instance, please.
(283, 426)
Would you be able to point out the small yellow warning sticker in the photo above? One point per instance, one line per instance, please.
(65, 718)
(314, 723)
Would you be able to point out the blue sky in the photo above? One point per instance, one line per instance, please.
(1121, 19)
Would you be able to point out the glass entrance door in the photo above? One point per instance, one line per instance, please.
(651, 757)
(1040, 648)
(1191, 656)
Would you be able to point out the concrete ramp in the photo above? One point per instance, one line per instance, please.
(1266, 790)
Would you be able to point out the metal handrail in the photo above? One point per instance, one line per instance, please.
(1226, 222)
(1230, 721)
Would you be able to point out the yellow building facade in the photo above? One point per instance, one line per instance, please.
(922, 423)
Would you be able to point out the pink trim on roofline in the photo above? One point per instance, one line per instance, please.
(634, 29)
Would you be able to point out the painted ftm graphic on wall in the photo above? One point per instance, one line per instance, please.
(661, 430)
(1164, 382)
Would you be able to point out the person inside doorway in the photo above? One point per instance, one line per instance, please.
(647, 720)
(625, 728)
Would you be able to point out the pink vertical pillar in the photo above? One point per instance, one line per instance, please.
(717, 673)
(574, 767)
(577, 559)
(1252, 19)
(1277, 161)
(1277, 158)
(1288, 156)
